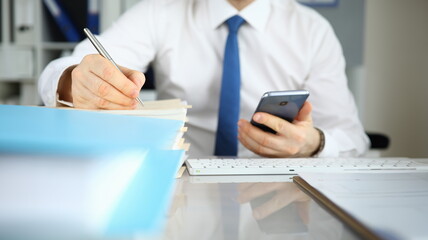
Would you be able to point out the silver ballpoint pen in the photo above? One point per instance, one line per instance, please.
(103, 52)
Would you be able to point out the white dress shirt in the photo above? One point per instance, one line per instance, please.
(283, 46)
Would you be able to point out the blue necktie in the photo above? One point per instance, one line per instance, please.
(227, 130)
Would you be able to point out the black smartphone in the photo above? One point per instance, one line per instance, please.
(284, 104)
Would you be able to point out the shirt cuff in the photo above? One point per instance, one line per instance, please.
(61, 103)
(48, 82)
(330, 146)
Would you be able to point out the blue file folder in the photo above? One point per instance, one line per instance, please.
(113, 196)
(62, 20)
(93, 18)
(144, 204)
(25, 129)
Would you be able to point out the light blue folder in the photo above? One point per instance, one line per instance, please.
(144, 205)
(25, 129)
(113, 196)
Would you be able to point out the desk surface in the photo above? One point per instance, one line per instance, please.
(56, 200)
(204, 209)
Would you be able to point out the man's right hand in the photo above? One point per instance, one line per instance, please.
(96, 83)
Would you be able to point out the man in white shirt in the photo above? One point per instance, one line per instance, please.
(282, 46)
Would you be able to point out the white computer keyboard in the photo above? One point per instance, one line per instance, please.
(240, 166)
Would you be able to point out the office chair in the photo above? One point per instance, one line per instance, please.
(378, 141)
(150, 79)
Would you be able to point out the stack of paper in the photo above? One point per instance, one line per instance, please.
(66, 131)
(90, 173)
(173, 109)
(166, 109)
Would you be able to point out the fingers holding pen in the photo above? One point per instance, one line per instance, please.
(105, 70)
(86, 99)
(136, 77)
(102, 85)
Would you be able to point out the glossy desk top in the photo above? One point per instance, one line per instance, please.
(49, 198)
(254, 207)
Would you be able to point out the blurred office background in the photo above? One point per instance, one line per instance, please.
(384, 42)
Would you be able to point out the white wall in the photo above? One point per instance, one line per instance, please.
(396, 87)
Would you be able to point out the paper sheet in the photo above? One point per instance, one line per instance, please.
(389, 203)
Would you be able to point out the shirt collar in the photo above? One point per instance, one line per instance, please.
(256, 14)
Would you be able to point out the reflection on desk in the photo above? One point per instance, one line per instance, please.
(248, 211)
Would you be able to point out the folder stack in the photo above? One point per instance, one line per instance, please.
(173, 109)
(63, 20)
(91, 173)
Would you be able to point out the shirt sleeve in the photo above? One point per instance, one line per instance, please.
(334, 108)
(129, 43)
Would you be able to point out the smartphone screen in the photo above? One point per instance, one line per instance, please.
(283, 104)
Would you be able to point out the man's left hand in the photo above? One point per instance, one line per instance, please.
(296, 139)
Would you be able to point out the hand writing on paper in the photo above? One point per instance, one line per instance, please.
(95, 83)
